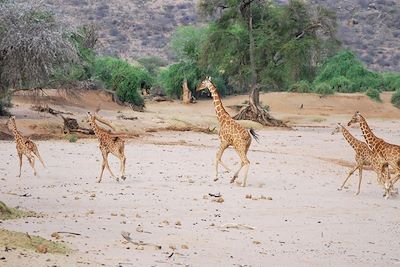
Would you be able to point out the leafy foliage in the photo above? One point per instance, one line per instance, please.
(324, 89)
(123, 78)
(345, 73)
(396, 98)
(290, 42)
(392, 81)
(187, 44)
(301, 87)
(33, 45)
(152, 64)
(374, 94)
(173, 77)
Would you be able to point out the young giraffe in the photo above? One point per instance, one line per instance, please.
(108, 144)
(390, 152)
(24, 146)
(364, 157)
(231, 133)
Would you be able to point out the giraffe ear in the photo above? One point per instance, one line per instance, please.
(209, 78)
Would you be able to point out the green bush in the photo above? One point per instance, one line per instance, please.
(72, 138)
(374, 94)
(345, 73)
(123, 78)
(341, 84)
(171, 79)
(301, 87)
(324, 89)
(392, 81)
(152, 64)
(396, 98)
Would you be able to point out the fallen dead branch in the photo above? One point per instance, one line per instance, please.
(214, 195)
(183, 129)
(69, 233)
(123, 117)
(127, 237)
(238, 226)
(49, 110)
(71, 126)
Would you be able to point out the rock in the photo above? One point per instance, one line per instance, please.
(172, 247)
(140, 247)
(56, 235)
(139, 229)
(178, 223)
(41, 249)
(248, 196)
(219, 200)
(185, 246)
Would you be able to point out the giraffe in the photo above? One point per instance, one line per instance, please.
(108, 144)
(364, 157)
(231, 133)
(24, 146)
(390, 152)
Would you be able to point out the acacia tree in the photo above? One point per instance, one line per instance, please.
(32, 46)
(259, 44)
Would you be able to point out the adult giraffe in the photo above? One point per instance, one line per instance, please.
(231, 133)
(390, 152)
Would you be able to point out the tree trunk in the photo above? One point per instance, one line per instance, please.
(254, 111)
(187, 95)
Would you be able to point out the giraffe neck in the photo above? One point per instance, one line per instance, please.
(350, 138)
(96, 128)
(219, 108)
(16, 133)
(369, 136)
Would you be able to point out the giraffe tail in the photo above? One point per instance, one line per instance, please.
(254, 134)
(36, 152)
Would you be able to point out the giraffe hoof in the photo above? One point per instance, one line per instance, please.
(216, 179)
(117, 179)
(339, 189)
(98, 181)
(356, 194)
(123, 177)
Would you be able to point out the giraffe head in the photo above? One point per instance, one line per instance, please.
(206, 83)
(337, 129)
(91, 119)
(355, 119)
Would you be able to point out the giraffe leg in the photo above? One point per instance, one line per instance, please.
(235, 176)
(348, 176)
(246, 170)
(109, 169)
(20, 163)
(359, 181)
(31, 160)
(244, 163)
(218, 161)
(122, 167)
(390, 181)
(103, 165)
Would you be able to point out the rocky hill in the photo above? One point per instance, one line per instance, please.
(133, 29)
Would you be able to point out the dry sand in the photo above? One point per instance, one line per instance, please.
(169, 178)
